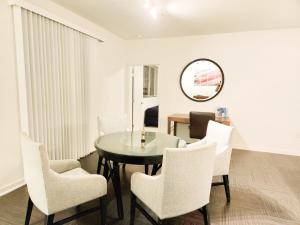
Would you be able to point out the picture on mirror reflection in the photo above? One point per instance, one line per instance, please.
(202, 80)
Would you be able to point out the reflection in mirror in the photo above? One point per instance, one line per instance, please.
(150, 81)
(144, 105)
(202, 80)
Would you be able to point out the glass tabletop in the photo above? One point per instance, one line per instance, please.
(128, 144)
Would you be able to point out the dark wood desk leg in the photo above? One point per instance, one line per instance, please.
(169, 126)
(175, 128)
(117, 187)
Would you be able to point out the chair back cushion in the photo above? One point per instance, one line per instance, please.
(36, 165)
(107, 125)
(222, 135)
(219, 133)
(199, 122)
(187, 176)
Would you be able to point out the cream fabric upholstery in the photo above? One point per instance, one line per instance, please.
(51, 191)
(177, 191)
(220, 134)
(61, 166)
(107, 125)
(77, 171)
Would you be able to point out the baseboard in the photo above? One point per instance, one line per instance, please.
(11, 187)
(266, 150)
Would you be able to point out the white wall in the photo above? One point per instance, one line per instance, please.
(106, 86)
(262, 76)
(11, 174)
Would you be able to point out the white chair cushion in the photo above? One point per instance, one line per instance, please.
(220, 134)
(61, 166)
(76, 187)
(107, 125)
(75, 172)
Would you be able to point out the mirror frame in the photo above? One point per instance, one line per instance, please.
(196, 60)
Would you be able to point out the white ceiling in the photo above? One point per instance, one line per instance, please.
(130, 20)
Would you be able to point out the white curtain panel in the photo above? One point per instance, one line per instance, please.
(55, 63)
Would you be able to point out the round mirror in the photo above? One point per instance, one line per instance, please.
(202, 80)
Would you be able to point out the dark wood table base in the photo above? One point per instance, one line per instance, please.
(113, 173)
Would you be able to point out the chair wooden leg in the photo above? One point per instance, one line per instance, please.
(29, 211)
(99, 164)
(103, 209)
(226, 187)
(49, 219)
(154, 169)
(162, 222)
(204, 211)
(78, 207)
(132, 208)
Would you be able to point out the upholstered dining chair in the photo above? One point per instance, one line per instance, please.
(54, 186)
(220, 134)
(176, 192)
(107, 125)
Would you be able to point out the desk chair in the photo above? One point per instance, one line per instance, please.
(199, 122)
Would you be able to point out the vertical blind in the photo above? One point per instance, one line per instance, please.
(55, 64)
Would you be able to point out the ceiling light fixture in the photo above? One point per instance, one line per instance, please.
(147, 4)
(152, 8)
(154, 13)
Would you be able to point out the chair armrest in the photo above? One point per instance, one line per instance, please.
(143, 185)
(222, 150)
(149, 190)
(71, 190)
(85, 183)
(61, 166)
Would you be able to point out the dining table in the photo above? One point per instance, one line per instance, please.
(128, 148)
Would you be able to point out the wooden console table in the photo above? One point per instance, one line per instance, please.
(185, 119)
